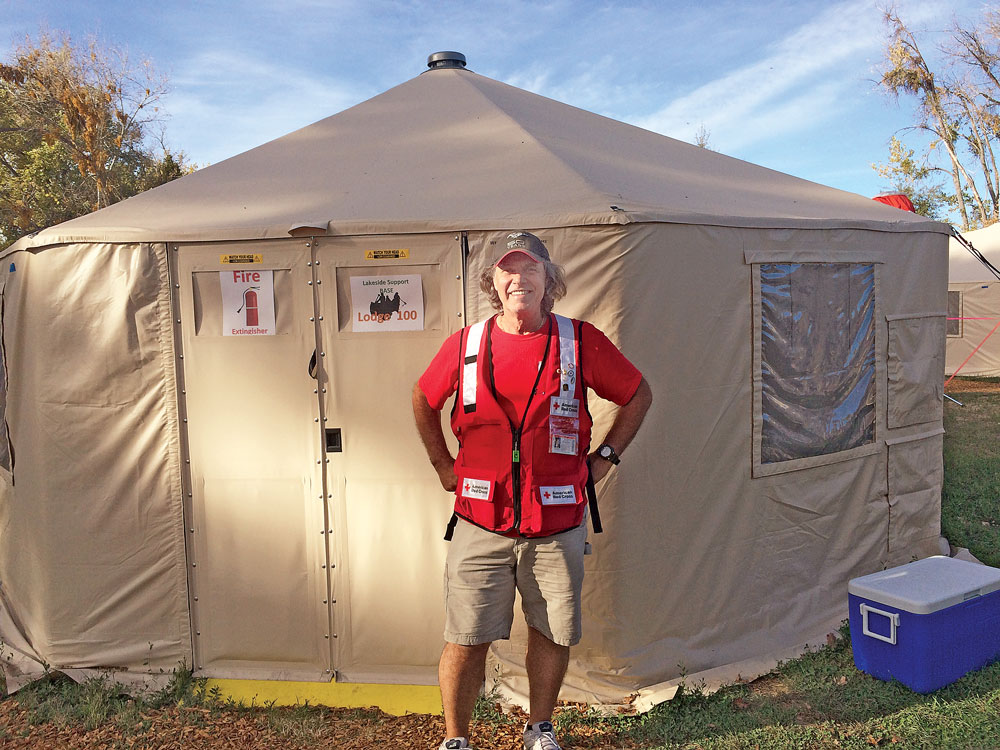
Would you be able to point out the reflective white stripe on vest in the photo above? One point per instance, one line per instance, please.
(470, 366)
(470, 375)
(567, 357)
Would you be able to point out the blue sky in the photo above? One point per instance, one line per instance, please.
(788, 85)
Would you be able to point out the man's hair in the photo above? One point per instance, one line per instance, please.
(555, 286)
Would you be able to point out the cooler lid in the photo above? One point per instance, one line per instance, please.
(927, 585)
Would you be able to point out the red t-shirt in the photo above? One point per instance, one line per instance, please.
(516, 360)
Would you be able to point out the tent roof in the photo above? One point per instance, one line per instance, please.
(963, 267)
(451, 149)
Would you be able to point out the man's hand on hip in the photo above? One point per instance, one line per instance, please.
(446, 473)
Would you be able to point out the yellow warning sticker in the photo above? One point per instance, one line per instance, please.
(242, 258)
(392, 253)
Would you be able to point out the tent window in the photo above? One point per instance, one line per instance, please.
(817, 359)
(954, 314)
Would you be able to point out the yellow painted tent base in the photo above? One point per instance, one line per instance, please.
(393, 699)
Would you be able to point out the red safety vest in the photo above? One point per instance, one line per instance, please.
(528, 477)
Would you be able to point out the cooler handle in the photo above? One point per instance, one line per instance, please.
(893, 624)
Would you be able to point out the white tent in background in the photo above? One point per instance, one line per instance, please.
(197, 474)
(974, 306)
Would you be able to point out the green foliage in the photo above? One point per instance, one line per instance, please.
(183, 689)
(957, 112)
(915, 180)
(77, 133)
(90, 704)
(489, 709)
(98, 700)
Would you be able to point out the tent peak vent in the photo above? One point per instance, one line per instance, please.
(446, 60)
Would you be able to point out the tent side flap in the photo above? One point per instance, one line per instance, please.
(93, 551)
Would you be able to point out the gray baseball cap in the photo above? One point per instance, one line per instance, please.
(523, 242)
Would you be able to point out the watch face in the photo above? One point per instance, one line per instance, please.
(608, 454)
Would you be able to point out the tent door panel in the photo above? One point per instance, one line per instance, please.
(386, 305)
(256, 534)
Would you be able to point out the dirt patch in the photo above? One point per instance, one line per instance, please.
(972, 385)
(769, 686)
(774, 690)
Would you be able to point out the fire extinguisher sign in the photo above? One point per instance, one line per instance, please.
(247, 303)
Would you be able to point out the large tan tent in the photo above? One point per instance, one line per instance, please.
(212, 456)
(974, 306)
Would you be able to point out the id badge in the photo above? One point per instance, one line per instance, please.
(564, 444)
(564, 435)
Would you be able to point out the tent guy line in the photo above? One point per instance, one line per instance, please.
(973, 304)
(972, 354)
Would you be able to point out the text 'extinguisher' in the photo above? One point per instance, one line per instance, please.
(250, 303)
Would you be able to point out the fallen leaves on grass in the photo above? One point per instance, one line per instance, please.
(293, 728)
(972, 385)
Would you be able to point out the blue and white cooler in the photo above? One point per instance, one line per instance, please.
(927, 623)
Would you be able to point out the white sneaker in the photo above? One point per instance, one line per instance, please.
(542, 737)
(456, 743)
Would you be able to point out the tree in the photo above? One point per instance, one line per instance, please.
(979, 94)
(957, 111)
(702, 139)
(77, 133)
(915, 180)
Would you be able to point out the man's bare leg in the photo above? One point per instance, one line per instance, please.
(461, 672)
(546, 664)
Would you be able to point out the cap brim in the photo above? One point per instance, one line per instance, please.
(518, 250)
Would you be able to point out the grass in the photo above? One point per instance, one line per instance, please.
(970, 500)
(98, 700)
(820, 700)
(816, 701)
(136, 717)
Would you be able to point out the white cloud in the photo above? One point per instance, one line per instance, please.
(228, 102)
(810, 76)
(740, 107)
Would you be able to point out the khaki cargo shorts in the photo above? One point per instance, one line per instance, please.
(484, 570)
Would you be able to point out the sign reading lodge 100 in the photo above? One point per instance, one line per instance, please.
(387, 303)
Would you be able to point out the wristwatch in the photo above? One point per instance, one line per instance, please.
(608, 454)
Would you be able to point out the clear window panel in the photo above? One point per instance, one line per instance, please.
(817, 359)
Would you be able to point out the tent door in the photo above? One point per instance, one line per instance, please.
(256, 505)
(386, 305)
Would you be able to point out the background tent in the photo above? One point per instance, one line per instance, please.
(183, 485)
(974, 306)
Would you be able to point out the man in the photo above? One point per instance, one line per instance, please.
(521, 418)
